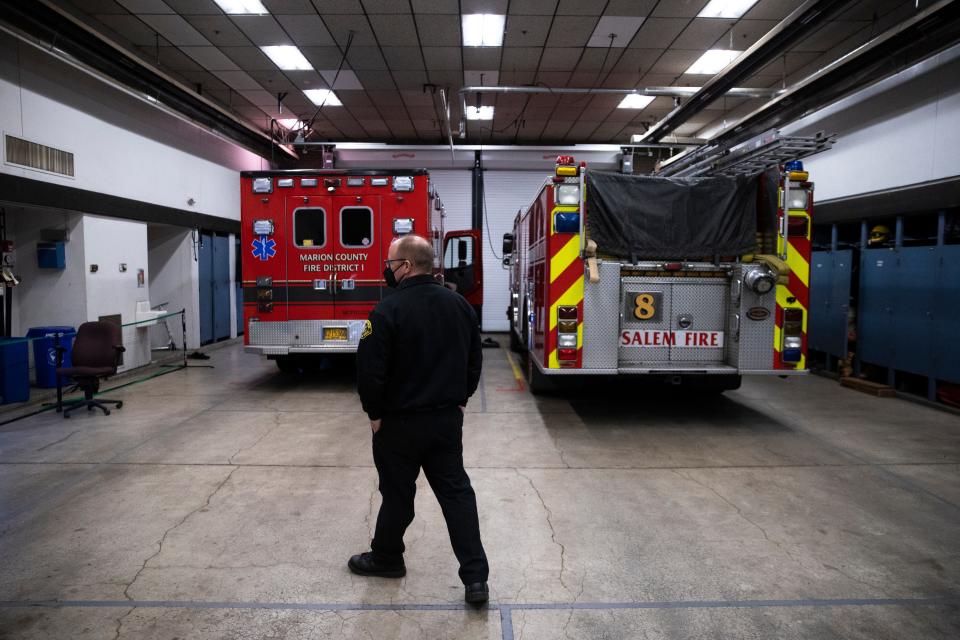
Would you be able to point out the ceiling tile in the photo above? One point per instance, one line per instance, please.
(620, 80)
(520, 58)
(635, 60)
(676, 61)
(365, 58)
(554, 78)
(386, 98)
(292, 7)
(263, 31)
(175, 29)
(403, 58)
(579, 8)
(211, 58)
(146, 6)
(306, 31)
(629, 7)
(623, 28)
(219, 30)
(658, 33)
(831, 35)
(701, 34)
(174, 59)
(771, 10)
(439, 30)
(344, 79)
(526, 31)
(195, 7)
(322, 57)
(449, 77)
(395, 30)
(308, 79)
(100, 6)
(238, 80)
(260, 98)
(560, 59)
(386, 6)
(442, 57)
(745, 34)
(417, 99)
(341, 25)
(374, 79)
(273, 80)
(325, 7)
(129, 27)
(484, 6)
(481, 78)
(208, 81)
(406, 80)
(249, 58)
(481, 57)
(592, 60)
(571, 31)
(679, 8)
(533, 7)
(436, 6)
(516, 77)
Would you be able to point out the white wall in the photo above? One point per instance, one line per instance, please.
(107, 244)
(46, 296)
(902, 131)
(173, 279)
(121, 146)
(505, 193)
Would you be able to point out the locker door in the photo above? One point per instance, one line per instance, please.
(221, 288)
(945, 315)
(205, 268)
(821, 287)
(913, 313)
(879, 282)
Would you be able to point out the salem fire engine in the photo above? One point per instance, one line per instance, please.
(315, 242)
(696, 281)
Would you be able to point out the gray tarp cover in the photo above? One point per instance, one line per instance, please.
(661, 218)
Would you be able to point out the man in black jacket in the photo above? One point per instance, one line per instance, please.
(418, 362)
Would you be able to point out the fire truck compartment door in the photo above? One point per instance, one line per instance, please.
(669, 320)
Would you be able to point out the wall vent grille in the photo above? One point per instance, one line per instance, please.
(38, 156)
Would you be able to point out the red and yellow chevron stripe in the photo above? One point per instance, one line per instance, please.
(796, 293)
(565, 286)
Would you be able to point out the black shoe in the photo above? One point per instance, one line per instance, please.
(476, 593)
(364, 564)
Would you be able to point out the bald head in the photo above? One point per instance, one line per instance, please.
(417, 250)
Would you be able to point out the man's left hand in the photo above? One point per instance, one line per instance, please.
(375, 425)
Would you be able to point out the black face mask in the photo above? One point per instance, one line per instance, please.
(390, 277)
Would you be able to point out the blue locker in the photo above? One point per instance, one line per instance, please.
(946, 317)
(879, 290)
(205, 268)
(221, 287)
(830, 274)
(913, 309)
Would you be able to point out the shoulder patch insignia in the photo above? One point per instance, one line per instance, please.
(367, 330)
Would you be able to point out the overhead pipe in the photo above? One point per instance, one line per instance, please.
(670, 92)
(446, 115)
(803, 21)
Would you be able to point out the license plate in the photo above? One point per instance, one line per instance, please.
(680, 339)
(335, 333)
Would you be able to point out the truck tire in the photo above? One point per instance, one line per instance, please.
(515, 344)
(287, 364)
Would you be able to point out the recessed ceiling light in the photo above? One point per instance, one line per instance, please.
(323, 97)
(713, 61)
(635, 101)
(287, 58)
(726, 8)
(479, 113)
(243, 7)
(483, 29)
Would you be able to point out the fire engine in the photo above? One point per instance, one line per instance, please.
(314, 244)
(694, 281)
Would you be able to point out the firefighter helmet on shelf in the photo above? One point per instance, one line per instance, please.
(879, 235)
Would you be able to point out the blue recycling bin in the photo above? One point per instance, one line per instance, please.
(14, 370)
(45, 341)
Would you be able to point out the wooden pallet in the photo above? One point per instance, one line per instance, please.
(873, 388)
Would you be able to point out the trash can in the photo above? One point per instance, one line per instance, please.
(45, 342)
(14, 370)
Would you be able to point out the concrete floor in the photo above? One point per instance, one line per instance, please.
(224, 503)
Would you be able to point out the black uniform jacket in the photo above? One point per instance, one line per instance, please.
(420, 351)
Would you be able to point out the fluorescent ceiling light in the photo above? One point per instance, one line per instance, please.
(483, 29)
(287, 58)
(292, 123)
(479, 113)
(243, 7)
(713, 61)
(323, 97)
(635, 101)
(726, 8)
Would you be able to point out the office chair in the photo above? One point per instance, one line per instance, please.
(96, 355)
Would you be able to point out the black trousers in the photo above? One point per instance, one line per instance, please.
(433, 441)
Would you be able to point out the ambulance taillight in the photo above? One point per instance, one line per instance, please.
(792, 348)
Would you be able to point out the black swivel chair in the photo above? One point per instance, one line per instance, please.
(96, 355)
